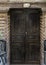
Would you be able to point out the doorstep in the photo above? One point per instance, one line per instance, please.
(24, 64)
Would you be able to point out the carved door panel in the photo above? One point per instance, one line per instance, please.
(24, 37)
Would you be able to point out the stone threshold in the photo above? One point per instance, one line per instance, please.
(24, 64)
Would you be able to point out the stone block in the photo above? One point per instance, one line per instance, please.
(3, 0)
(27, 0)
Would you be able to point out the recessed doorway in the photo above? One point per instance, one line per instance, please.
(25, 35)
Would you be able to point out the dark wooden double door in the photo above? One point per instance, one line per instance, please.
(25, 36)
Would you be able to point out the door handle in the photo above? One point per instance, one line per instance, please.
(26, 33)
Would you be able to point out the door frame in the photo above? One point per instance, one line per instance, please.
(24, 8)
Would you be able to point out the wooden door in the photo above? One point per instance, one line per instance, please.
(25, 36)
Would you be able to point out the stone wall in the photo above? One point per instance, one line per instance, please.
(42, 37)
(22, 0)
(5, 33)
(4, 30)
(8, 37)
(5, 24)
